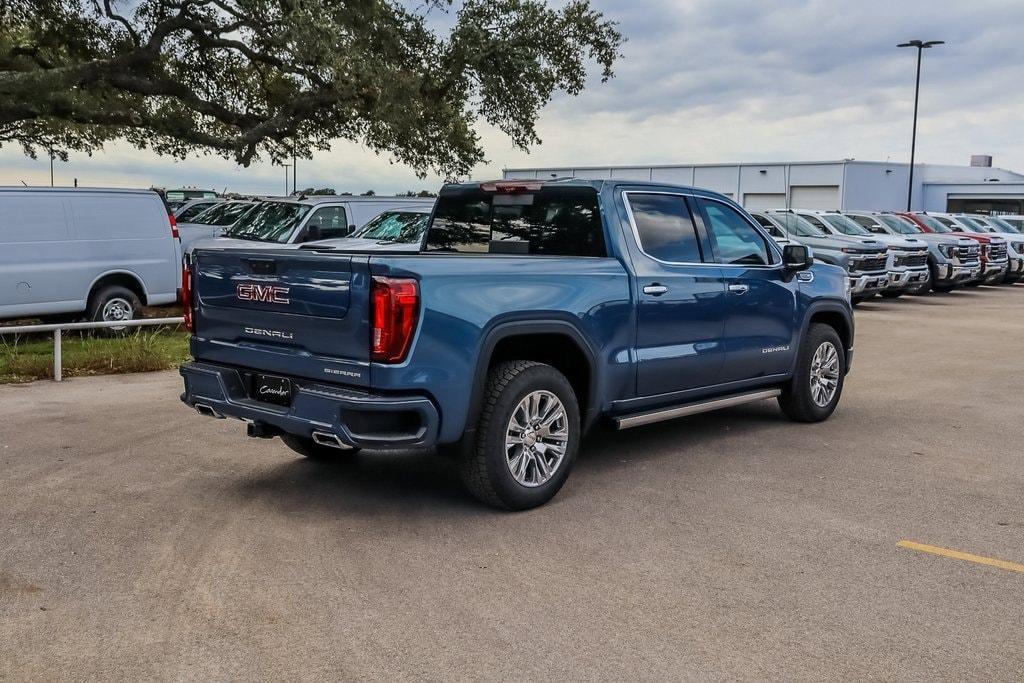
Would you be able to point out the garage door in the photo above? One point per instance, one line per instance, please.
(756, 201)
(823, 197)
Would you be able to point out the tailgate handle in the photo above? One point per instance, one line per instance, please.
(262, 266)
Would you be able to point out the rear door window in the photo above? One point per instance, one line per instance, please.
(665, 227)
(551, 221)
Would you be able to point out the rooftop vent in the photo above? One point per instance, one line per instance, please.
(981, 160)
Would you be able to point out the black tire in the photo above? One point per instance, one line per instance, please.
(894, 295)
(797, 401)
(315, 451)
(483, 462)
(943, 289)
(113, 303)
(973, 283)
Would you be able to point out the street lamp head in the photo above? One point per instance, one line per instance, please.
(922, 44)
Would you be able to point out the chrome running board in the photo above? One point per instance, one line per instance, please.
(640, 419)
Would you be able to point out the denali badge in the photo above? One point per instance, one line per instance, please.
(268, 293)
(775, 349)
(276, 334)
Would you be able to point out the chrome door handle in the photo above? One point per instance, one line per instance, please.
(739, 289)
(655, 289)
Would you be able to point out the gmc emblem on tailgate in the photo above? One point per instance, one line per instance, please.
(265, 293)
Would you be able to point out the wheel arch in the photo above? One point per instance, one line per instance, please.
(558, 343)
(120, 278)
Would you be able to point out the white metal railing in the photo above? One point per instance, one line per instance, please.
(58, 328)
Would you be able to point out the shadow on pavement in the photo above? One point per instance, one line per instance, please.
(427, 484)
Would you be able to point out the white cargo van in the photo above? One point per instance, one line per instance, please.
(66, 253)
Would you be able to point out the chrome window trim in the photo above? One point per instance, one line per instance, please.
(769, 241)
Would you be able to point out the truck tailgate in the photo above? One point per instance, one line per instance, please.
(291, 312)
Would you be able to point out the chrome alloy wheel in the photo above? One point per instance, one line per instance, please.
(117, 310)
(536, 438)
(824, 374)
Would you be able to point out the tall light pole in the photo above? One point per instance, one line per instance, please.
(921, 46)
(286, 167)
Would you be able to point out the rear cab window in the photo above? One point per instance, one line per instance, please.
(533, 219)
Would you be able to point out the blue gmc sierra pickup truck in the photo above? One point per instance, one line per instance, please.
(533, 310)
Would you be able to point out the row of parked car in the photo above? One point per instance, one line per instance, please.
(896, 253)
(104, 254)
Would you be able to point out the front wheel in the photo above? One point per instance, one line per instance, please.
(813, 393)
(527, 437)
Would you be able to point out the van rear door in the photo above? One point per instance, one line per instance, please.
(293, 312)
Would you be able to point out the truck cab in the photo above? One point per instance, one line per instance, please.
(532, 311)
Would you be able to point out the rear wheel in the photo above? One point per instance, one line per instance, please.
(813, 393)
(315, 451)
(526, 439)
(114, 304)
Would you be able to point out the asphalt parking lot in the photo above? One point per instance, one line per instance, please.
(143, 541)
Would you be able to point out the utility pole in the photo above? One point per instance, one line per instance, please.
(921, 46)
(286, 167)
(51, 167)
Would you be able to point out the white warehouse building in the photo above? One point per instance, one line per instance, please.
(846, 185)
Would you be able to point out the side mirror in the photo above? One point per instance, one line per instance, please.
(313, 233)
(797, 257)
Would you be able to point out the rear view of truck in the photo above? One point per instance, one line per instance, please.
(312, 324)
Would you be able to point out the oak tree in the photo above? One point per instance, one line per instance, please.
(251, 79)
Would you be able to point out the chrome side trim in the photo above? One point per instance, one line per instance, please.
(650, 417)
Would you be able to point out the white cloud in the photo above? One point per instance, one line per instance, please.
(706, 81)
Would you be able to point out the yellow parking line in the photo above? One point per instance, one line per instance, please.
(957, 555)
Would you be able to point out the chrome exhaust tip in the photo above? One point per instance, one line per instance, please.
(207, 411)
(330, 440)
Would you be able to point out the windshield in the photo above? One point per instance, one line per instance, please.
(795, 225)
(901, 225)
(1001, 225)
(225, 213)
(269, 222)
(395, 226)
(845, 225)
(970, 224)
(934, 223)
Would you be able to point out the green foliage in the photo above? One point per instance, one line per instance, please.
(31, 358)
(249, 79)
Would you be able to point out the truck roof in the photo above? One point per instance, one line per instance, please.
(597, 184)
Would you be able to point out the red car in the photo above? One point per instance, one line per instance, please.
(993, 249)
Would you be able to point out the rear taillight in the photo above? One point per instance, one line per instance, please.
(395, 306)
(174, 226)
(186, 298)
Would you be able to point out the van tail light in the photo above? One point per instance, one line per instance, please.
(186, 298)
(174, 226)
(395, 304)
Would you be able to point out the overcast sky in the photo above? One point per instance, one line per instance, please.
(706, 81)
